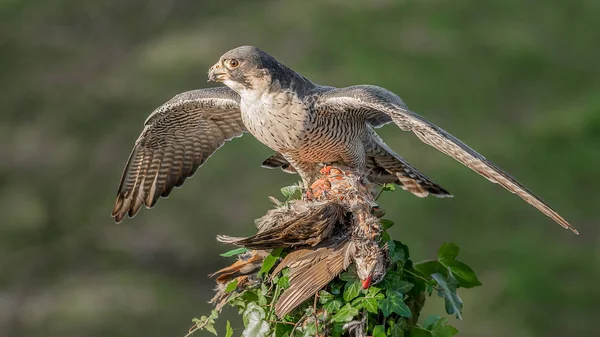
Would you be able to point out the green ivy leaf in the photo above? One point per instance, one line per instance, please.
(337, 330)
(358, 302)
(254, 321)
(403, 286)
(429, 286)
(448, 293)
(249, 296)
(445, 331)
(235, 300)
(231, 286)
(233, 252)
(309, 329)
(283, 282)
(430, 321)
(270, 261)
(336, 287)
(211, 328)
(417, 331)
(351, 290)
(464, 274)
(379, 331)
(427, 268)
(282, 330)
(345, 314)
(438, 326)
(389, 187)
(393, 281)
(370, 304)
(398, 251)
(350, 275)
(261, 299)
(371, 299)
(396, 329)
(228, 329)
(207, 323)
(385, 237)
(325, 296)
(289, 191)
(332, 306)
(374, 291)
(448, 252)
(386, 223)
(393, 303)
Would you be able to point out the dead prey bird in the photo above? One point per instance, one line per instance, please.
(325, 235)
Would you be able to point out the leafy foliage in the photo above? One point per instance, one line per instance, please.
(390, 308)
(291, 192)
(234, 252)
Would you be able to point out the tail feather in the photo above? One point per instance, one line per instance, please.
(278, 161)
(408, 177)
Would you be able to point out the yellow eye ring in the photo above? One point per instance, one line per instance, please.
(233, 63)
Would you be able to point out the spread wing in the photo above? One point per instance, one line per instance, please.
(178, 137)
(379, 106)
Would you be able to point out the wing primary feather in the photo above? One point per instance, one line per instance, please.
(458, 150)
(176, 140)
(377, 105)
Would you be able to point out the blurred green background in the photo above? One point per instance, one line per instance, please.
(517, 80)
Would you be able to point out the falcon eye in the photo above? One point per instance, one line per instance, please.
(233, 63)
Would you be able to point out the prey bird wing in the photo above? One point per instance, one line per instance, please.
(379, 106)
(311, 269)
(178, 137)
(308, 227)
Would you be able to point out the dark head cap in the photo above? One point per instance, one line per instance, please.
(248, 67)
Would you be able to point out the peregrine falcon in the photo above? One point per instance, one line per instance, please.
(307, 124)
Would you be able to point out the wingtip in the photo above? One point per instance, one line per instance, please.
(118, 218)
(117, 206)
(564, 223)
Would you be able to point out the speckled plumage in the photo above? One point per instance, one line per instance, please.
(306, 123)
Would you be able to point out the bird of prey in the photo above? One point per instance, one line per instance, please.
(307, 124)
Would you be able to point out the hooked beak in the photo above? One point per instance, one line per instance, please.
(367, 283)
(216, 73)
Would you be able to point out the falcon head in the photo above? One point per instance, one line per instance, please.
(250, 71)
(243, 69)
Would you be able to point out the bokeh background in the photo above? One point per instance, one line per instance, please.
(517, 80)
